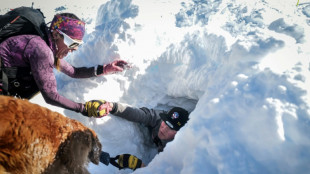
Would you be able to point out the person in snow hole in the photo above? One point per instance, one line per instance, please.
(162, 126)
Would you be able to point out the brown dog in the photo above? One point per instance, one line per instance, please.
(35, 140)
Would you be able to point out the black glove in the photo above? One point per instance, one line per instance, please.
(105, 158)
(126, 161)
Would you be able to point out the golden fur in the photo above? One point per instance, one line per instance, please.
(33, 139)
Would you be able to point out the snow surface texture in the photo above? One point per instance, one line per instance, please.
(242, 68)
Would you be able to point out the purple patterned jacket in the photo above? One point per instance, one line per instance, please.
(32, 51)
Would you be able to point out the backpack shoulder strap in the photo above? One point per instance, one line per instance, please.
(4, 81)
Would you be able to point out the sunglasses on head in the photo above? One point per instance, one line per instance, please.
(71, 43)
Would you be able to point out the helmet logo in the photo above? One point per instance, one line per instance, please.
(175, 115)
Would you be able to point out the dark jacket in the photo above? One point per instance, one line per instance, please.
(148, 117)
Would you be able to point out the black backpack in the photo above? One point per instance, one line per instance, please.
(23, 20)
(16, 81)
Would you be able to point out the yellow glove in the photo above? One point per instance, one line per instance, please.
(97, 108)
(126, 161)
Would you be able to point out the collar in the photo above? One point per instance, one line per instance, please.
(158, 143)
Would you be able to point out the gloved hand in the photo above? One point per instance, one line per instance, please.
(97, 108)
(111, 68)
(126, 161)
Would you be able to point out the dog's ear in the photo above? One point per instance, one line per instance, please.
(94, 154)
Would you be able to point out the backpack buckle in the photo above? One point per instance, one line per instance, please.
(16, 84)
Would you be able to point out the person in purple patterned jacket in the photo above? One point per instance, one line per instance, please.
(35, 59)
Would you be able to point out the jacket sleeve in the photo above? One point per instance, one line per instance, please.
(41, 60)
(148, 117)
(82, 72)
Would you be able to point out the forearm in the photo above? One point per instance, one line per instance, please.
(46, 82)
(74, 72)
(60, 101)
(83, 72)
(139, 115)
(48, 88)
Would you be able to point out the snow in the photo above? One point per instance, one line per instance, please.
(241, 67)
